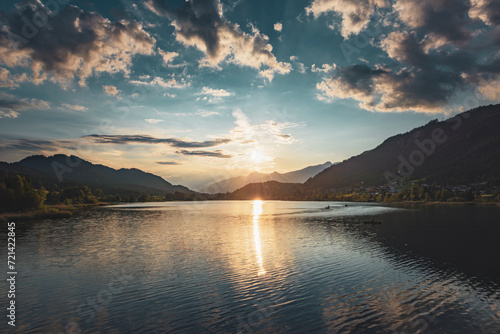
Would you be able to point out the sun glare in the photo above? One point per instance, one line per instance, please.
(257, 157)
(257, 211)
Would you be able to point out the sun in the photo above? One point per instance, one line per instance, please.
(257, 156)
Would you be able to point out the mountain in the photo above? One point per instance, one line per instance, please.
(461, 150)
(70, 170)
(299, 176)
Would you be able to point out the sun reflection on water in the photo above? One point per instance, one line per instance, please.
(257, 211)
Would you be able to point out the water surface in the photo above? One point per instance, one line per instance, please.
(261, 267)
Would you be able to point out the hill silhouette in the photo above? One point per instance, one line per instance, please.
(232, 184)
(461, 150)
(64, 170)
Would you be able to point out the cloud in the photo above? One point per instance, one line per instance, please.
(301, 68)
(443, 21)
(169, 163)
(381, 89)
(215, 154)
(157, 81)
(74, 107)
(167, 57)
(8, 114)
(72, 44)
(214, 95)
(268, 132)
(35, 145)
(325, 68)
(10, 108)
(201, 24)
(355, 14)
(207, 113)
(490, 90)
(278, 26)
(215, 92)
(487, 11)
(431, 60)
(110, 90)
(8, 80)
(153, 121)
(202, 113)
(142, 139)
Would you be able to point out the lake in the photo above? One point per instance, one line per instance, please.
(260, 267)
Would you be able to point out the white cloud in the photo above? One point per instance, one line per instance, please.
(207, 113)
(157, 81)
(8, 114)
(8, 80)
(355, 14)
(201, 24)
(72, 44)
(110, 90)
(74, 107)
(214, 95)
(264, 133)
(278, 26)
(325, 68)
(215, 92)
(153, 121)
(167, 57)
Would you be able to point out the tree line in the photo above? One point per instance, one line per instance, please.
(19, 194)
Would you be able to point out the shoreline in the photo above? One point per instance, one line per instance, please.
(51, 212)
(67, 211)
(441, 203)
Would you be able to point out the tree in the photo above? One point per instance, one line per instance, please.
(17, 194)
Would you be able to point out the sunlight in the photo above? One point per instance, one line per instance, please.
(257, 156)
(257, 211)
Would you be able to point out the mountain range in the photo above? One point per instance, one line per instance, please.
(461, 150)
(62, 171)
(232, 184)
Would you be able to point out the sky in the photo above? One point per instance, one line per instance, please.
(201, 90)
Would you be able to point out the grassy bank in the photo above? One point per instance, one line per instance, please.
(50, 212)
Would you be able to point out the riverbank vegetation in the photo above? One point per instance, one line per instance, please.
(20, 199)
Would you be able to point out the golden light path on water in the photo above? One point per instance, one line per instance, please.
(257, 211)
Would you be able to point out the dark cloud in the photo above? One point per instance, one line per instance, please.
(437, 48)
(10, 108)
(487, 11)
(141, 139)
(13, 105)
(70, 43)
(200, 23)
(168, 163)
(384, 90)
(359, 77)
(447, 19)
(195, 19)
(33, 145)
(216, 154)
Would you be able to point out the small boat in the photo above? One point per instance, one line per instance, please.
(346, 205)
(327, 208)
